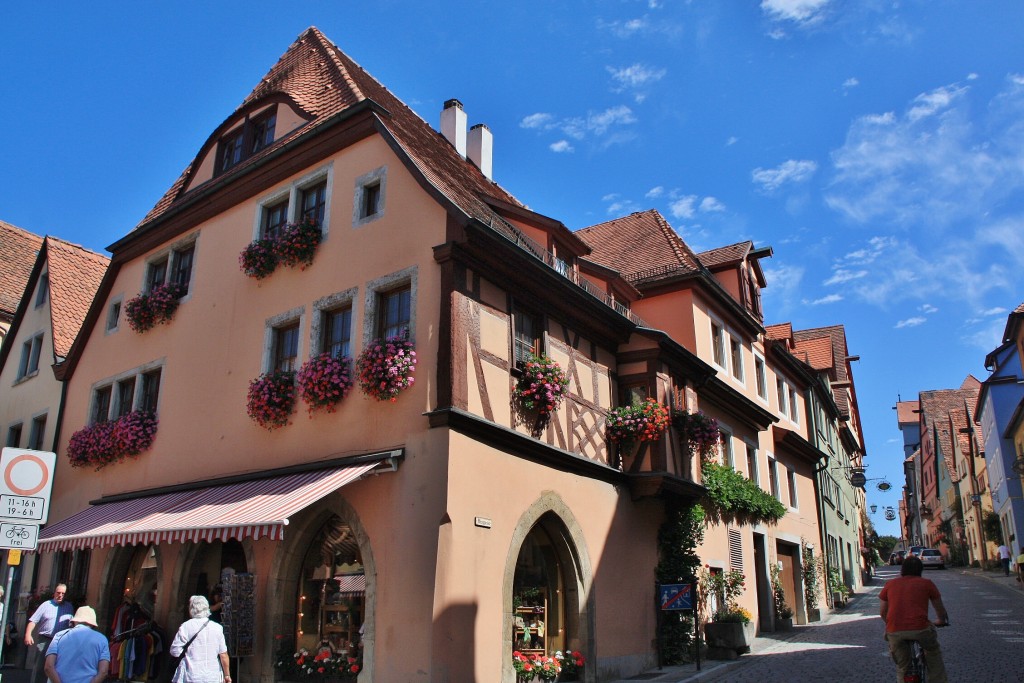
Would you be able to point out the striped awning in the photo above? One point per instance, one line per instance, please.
(351, 584)
(256, 509)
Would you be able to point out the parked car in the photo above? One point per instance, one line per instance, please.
(916, 550)
(930, 557)
(897, 557)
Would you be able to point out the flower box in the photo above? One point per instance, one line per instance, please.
(156, 307)
(645, 421)
(732, 636)
(699, 433)
(271, 399)
(295, 245)
(323, 381)
(385, 368)
(105, 443)
(542, 386)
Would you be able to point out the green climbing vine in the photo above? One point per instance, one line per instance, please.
(678, 562)
(733, 497)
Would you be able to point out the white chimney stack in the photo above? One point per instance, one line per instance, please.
(481, 149)
(453, 125)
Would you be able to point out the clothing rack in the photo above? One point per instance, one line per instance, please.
(140, 630)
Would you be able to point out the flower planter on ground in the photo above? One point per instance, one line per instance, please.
(728, 639)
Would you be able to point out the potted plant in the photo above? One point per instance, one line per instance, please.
(323, 381)
(644, 421)
(104, 443)
(156, 307)
(572, 664)
(783, 613)
(699, 433)
(731, 631)
(295, 245)
(271, 399)
(542, 385)
(385, 368)
(258, 259)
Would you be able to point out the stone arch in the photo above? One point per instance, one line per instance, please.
(551, 512)
(284, 571)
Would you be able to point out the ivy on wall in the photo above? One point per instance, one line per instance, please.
(678, 562)
(731, 497)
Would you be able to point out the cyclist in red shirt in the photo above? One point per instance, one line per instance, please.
(903, 603)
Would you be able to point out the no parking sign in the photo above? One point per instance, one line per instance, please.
(26, 479)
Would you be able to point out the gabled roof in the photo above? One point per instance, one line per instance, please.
(18, 250)
(324, 82)
(640, 245)
(730, 255)
(937, 414)
(75, 275)
(779, 332)
(818, 353)
(1013, 322)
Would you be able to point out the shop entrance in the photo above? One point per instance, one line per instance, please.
(545, 597)
(138, 642)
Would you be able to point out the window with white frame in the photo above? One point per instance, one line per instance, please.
(138, 389)
(736, 357)
(752, 463)
(173, 266)
(307, 197)
(794, 412)
(37, 433)
(773, 478)
(114, 314)
(331, 330)
(782, 392)
(791, 482)
(725, 448)
(281, 341)
(30, 351)
(390, 306)
(370, 196)
(761, 378)
(14, 435)
(718, 344)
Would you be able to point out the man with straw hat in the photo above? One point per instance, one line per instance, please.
(80, 654)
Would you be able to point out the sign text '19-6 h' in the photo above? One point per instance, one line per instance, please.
(26, 479)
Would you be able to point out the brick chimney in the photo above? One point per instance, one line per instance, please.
(481, 149)
(453, 125)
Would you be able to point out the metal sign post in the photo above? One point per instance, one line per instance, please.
(674, 597)
(13, 559)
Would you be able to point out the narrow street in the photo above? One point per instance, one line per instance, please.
(987, 629)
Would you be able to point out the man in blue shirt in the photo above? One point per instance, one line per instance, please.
(79, 654)
(49, 619)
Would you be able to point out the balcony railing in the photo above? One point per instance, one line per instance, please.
(516, 236)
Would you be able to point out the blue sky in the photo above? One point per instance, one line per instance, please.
(878, 147)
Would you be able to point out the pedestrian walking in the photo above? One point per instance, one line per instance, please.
(79, 654)
(200, 644)
(1004, 557)
(49, 619)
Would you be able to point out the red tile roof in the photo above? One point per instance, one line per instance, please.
(75, 275)
(906, 412)
(640, 246)
(780, 332)
(937, 410)
(725, 256)
(18, 251)
(324, 81)
(818, 353)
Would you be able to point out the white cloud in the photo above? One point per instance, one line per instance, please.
(683, 207)
(732, 140)
(850, 83)
(710, 204)
(840, 276)
(911, 322)
(928, 308)
(538, 120)
(998, 310)
(936, 164)
(635, 76)
(791, 171)
(784, 286)
(828, 299)
(797, 11)
(560, 146)
(655, 192)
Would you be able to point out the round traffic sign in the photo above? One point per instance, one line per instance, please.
(26, 474)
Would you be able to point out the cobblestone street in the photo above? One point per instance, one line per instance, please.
(987, 632)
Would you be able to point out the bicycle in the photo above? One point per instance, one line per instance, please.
(917, 672)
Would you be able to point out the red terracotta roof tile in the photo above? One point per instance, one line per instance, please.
(324, 81)
(641, 246)
(75, 274)
(906, 412)
(817, 352)
(725, 256)
(937, 410)
(18, 251)
(780, 331)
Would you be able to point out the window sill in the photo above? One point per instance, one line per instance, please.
(25, 378)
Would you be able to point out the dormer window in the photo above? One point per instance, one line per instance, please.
(246, 140)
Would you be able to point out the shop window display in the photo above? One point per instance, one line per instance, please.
(332, 593)
(538, 597)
